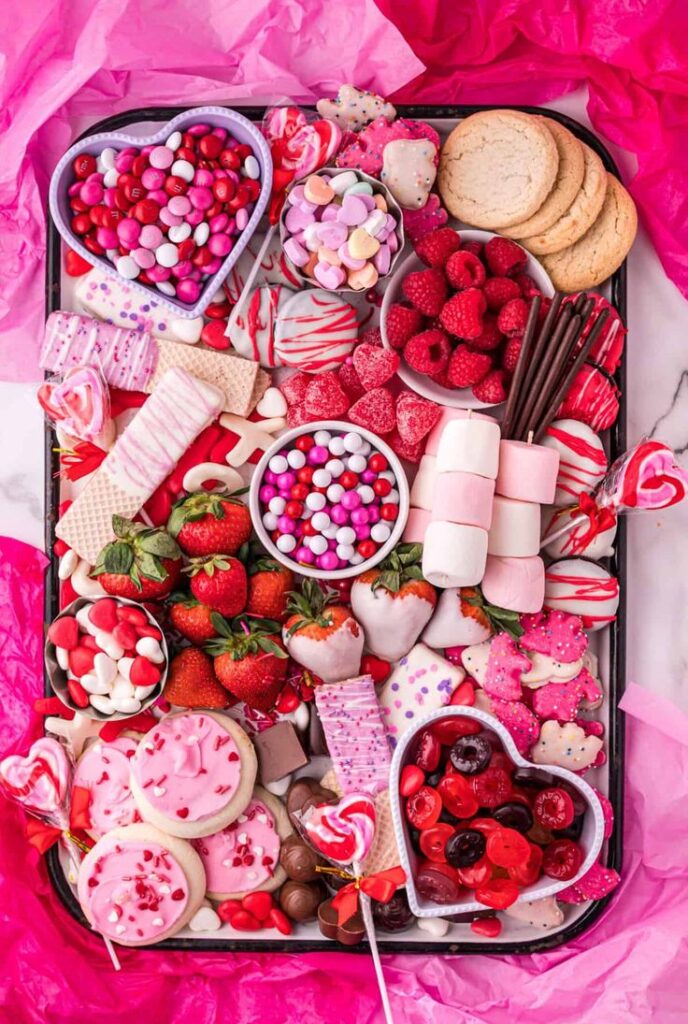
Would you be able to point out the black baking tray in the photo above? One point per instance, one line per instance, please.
(617, 564)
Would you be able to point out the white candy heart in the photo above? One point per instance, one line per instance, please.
(105, 668)
(62, 658)
(102, 704)
(148, 647)
(124, 666)
(85, 622)
(273, 403)
(126, 705)
(68, 564)
(435, 926)
(141, 692)
(82, 583)
(188, 331)
(122, 689)
(205, 920)
(279, 786)
(92, 684)
(107, 643)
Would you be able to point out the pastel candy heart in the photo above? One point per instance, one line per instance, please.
(317, 190)
(296, 219)
(383, 260)
(40, 780)
(273, 403)
(328, 276)
(342, 832)
(326, 255)
(409, 170)
(332, 234)
(363, 279)
(362, 245)
(341, 182)
(294, 251)
(353, 211)
(353, 108)
(348, 260)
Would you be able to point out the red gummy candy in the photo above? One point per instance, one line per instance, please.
(375, 410)
(64, 632)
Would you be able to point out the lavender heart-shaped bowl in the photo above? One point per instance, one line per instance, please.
(239, 126)
(591, 838)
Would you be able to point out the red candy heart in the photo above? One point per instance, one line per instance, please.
(213, 334)
(375, 667)
(76, 265)
(259, 904)
(81, 661)
(245, 922)
(77, 693)
(103, 614)
(64, 632)
(143, 672)
(147, 630)
(279, 920)
(128, 613)
(125, 634)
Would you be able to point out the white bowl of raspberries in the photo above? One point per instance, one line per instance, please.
(456, 310)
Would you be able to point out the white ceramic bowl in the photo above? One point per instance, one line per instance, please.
(591, 838)
(339, 427)
(461, 398)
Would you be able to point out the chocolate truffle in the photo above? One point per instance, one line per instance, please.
(349, 934)
(299, 859)
(300, 900)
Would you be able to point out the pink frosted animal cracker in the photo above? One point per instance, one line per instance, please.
(423, 130)
(566, 745)
(544, 913)
(561, 701)
(504, 667)
(409, 169)
(595, 884)
(366, 153)
(520, 721)
(607, 811)
(419, 223)
(556, 634)
(353, 108)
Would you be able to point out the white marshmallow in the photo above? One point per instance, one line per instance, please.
(454, 555)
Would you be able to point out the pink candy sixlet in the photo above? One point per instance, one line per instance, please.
(342, 832)
(39, 781)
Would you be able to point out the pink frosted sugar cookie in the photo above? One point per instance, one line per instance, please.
(244, 856)
(104, 769)
(595, 884)
(193, 773)
(315, 331)
(139, 886)
(562, 701)
(556, 634)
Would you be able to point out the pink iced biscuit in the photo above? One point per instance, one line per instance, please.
(126, 358)
(419, 223)
(242, 856)
(517, 584)
(520, 721)
(466, 498)
(515, 530)
(595, 884)
(134, 891)
(104, 771)
(527, 472)
(447, 415)
(505, 665)
(416, 524)
(423, 487)
(356, 737)
(561, 701)
(555, 634)
(188, 767)
(366, 152)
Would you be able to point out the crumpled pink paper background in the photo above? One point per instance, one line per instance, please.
(630, 967)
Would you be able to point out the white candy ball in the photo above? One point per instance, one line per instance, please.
(356, 558)
(166, 287)
(179, 233)
(365, 448)
(366, 493)
(321, 521)
(277, 505)
(278, 464)
(183, 169)
(270, 521)
(107, 158)
(167, 255)
(251, 167)
(318, 545)
(174, 141)
(202, 233)
(286, 543)
(388, 475)
(346, 535)
(322, 437)
(357, 463)
(316, 501)
(393, 497)
(352, 441)
(334, 492)
(345, 551)
(330, 532)
(380, 532)
(335, 467)
(321, 478)
(126, 267)
(336, 446)
(110, 178)
(296, 459)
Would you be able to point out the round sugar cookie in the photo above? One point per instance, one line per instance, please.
(138, 886)
(602, 249)
(315, 330)
(193, 773)
(497, 168)
(104, 771)
(566, 187)
(244, 856)
(581, 214)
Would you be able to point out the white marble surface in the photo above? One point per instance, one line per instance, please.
(657, 398)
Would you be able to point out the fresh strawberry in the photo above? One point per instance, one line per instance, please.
(491, 388)
(467, 367)
(220, 582)
(325, 396)
(513, 317)
(428, 352)
(465, 270)
(250, 661)
(192, 683)
(142, 564)
(490, 337)
(374, 366)
(504, 257)
(374, 410)
(426, 290)
(207, 524)
(192, 619)
(269, 585)
(462, 315)
(321, 635)
(402, 323)
(415, 416)
(500, 290)
(512, 351)
(497, 620)
(393, 602)
(436, 247)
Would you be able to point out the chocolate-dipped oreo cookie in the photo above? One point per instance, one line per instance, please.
(349, 934)
(299, 859)
(300, 900)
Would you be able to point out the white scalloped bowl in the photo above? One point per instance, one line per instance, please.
(591, 838)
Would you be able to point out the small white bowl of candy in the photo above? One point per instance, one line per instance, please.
(329, 500)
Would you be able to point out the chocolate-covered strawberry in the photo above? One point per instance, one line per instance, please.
(250, 660)
(208, 523)
(321, 635)
(393, 602)
(220, 582)
(142, 563)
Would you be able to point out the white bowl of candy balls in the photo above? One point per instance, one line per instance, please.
(342, 230)
(329, 500)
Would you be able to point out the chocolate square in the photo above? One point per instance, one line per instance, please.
(279, 752)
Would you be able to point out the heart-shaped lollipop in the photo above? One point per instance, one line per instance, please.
(342, 832)
(647, 476)
(40, 780)
(79, 404)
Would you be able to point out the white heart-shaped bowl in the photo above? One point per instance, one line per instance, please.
(219, 117)
(591, 838)
(456, 398)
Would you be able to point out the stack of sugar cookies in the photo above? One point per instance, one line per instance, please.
(529, 178)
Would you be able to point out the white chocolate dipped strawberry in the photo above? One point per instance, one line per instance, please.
(463, 618)
(393, 603)
(323, 636)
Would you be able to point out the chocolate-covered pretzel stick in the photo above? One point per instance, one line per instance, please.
(542, 338)
(521, 365)
(532, 389)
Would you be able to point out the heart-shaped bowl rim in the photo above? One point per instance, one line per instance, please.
(541, 888)
(57, 677)
(218, 117)
(458, 398)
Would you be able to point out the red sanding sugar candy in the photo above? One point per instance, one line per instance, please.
(374, 366)
(415, 417)
(325, 396)
(407, 450)
(375, 410)
(294, 387)
(350, 380)
(298, 415)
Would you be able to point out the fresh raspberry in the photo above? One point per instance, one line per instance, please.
(426, 290)
(528, 286)
(492, 389)
(463, 314)
(504, 257)
(350, 380)
(374, 366)
(325, 396)
(512, 350)
(375, 410)
(371, 336)
(464, 270)
(467, 367)
(428, 352)
(415, 416)
(436, 247)
(477, 248)
(294, 387)
(408, 450)
(491, 337)
(513, 317)
(401, 324)
(499, 291)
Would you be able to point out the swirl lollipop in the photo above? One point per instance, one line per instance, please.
(342, 832)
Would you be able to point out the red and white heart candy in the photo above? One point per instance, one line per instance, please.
(342, 832)
(40, 780)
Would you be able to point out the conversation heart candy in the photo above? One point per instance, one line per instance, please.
(362, 245)
(342, 832)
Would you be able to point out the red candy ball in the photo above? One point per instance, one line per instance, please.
(348, 480)
(83, 165)
(146, 211)
(224, 189)
(230, 160)
(377, 462)
(389, 512)
(304, 444)
(175, 186)
(294, 509)
(367, 548)
(382, 487)
(210, 146)
(81, 224)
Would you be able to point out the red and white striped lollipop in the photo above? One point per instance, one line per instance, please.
(39, 781)
(646, 476)
(342, 832)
